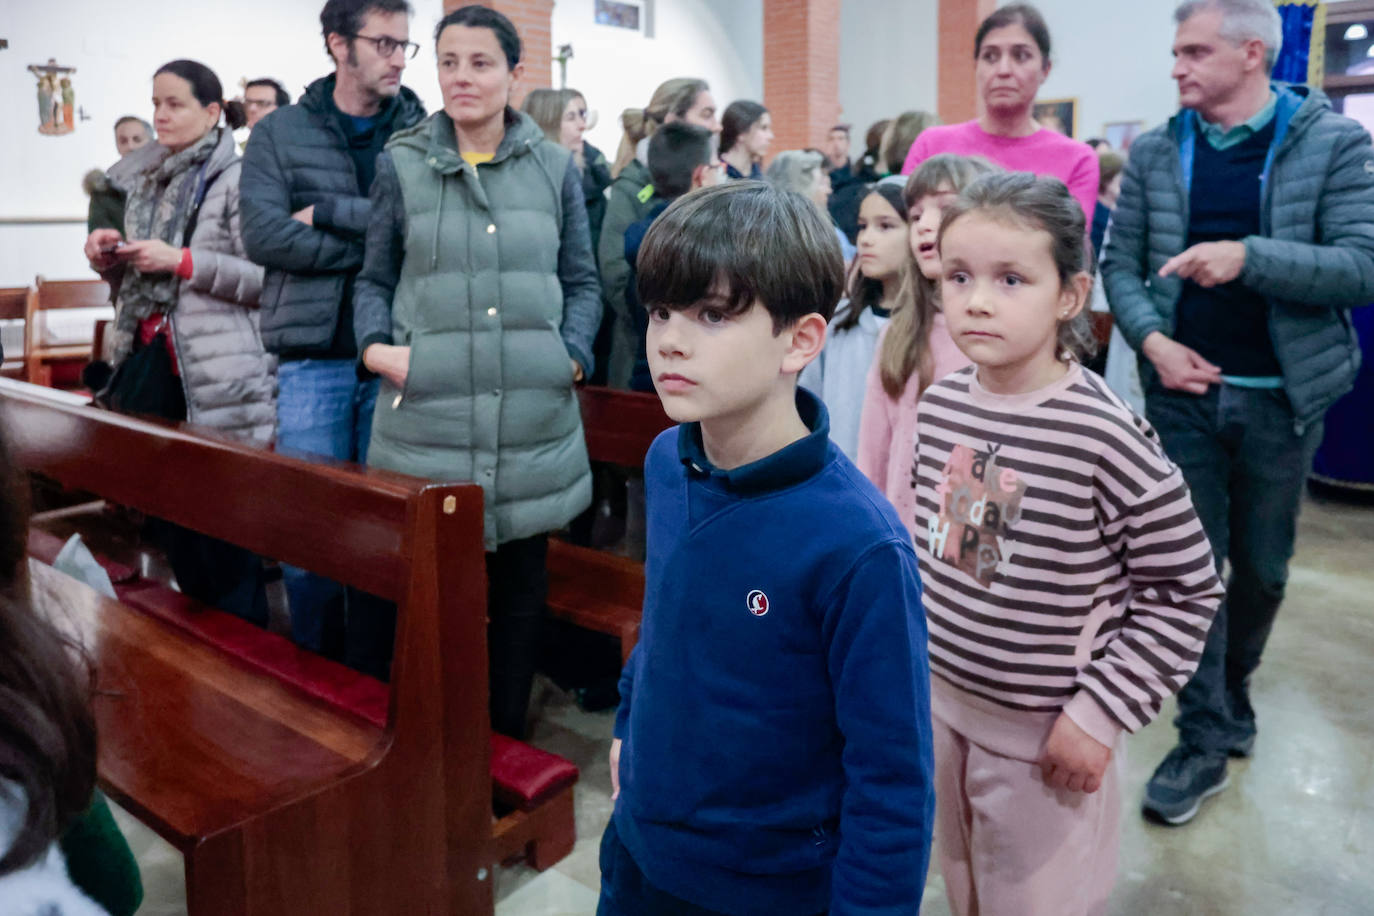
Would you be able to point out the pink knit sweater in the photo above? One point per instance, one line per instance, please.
(887, 428)
(1044, 152)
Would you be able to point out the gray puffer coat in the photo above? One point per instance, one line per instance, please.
(1314, 258)
(229, 380)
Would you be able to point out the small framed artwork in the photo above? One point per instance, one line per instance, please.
(617, 14)
(1058, 115)
(1121, 134)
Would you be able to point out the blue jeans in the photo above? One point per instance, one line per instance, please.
(1245, 465)
(322, 409)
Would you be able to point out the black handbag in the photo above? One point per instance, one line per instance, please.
(144, 383)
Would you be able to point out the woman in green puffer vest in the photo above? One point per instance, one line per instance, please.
(477, 305)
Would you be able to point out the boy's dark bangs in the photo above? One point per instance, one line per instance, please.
(685, 261)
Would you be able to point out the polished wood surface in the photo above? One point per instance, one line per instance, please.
(50, 295)
(13, 301)
(597, 591)
(620, 425)
(594, 589)
(280, 805)
(255, 743)
(251, 496)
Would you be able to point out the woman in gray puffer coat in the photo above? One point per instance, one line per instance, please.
(182, 276)
(197, 285)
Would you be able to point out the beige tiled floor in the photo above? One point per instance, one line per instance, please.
(1294, 834)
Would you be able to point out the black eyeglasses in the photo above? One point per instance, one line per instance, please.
(386, 46)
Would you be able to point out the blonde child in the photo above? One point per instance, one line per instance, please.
(915, 349)
(877, 288)
(1068, 583)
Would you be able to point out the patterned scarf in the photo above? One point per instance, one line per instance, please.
(159, 205)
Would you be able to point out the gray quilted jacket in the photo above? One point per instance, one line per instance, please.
(1314, 258)
(229, 380)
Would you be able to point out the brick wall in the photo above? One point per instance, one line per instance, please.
(801, 70)
(532, 21)
(958, 24)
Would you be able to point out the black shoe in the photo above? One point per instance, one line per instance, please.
(1182, 781)
(1243, 748)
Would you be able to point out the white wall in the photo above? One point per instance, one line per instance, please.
(1114, 58)
(720, 41)
(117, 46)
(888, 61)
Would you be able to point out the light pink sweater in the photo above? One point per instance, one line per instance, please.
(887, 427)
(1044, 152)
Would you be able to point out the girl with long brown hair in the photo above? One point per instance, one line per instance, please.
(915, 349)
(47, 731)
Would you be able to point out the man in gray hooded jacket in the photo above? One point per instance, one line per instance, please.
(1243, 236)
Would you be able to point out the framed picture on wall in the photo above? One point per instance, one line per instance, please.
(620, 15)
(1121, 134)
(1057, 114)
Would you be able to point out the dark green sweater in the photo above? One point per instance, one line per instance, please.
(100, 862)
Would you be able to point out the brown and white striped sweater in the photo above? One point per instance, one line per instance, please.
(1063, 565)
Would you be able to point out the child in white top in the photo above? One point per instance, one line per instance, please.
(879, 286)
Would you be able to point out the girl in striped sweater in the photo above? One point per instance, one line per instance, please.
(1068, 583)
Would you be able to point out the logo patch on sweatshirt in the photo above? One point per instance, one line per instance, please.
(757, 602)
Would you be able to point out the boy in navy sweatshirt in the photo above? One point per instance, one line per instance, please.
(773, 744)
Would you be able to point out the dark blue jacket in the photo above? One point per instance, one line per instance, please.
(775, 713)
(298, 156)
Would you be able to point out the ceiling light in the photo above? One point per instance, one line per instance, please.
(1356, 32)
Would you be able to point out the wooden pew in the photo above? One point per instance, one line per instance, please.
(594, 589)
(13, 301)
(280, 802)
(54, 295)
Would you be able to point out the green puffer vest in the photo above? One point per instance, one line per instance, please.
(489, 396)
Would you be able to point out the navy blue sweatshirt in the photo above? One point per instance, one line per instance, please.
(776, 711)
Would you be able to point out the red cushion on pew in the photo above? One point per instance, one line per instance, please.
(44, 546)
(524, 776)
(315, 675)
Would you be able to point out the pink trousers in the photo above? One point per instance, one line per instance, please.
(1011, 846)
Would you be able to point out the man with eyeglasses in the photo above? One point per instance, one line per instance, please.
(261, 97)
(304, 189)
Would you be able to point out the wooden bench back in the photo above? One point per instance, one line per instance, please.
(13, 301)
(54, 295)
(347, 524)
(620, 425)
(402, 538)
(49, 295)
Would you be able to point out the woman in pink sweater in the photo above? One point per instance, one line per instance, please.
(915, 349)
(1012, 49)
